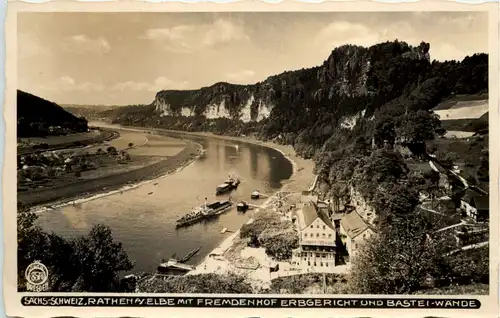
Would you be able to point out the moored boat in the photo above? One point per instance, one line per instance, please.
(242, 206)
(255, 195)
(203, 212)
(228, 185)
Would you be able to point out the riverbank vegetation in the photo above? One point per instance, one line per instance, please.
(270, 231)
(90, 263)
(41, 170)
(199, 284)
(408, 255)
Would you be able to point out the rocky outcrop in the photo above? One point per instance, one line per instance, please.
(363, 208)
(347, 72)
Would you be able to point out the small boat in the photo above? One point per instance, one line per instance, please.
(255, 195)
(189, 255)
(242, 206)
(174, 267)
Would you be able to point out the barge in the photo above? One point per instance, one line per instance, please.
(203, 212)
(230, 184)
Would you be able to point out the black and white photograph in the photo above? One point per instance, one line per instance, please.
(266, 153)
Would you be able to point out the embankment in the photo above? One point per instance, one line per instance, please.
(67, 192)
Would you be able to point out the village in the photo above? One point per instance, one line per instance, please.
(326, 235)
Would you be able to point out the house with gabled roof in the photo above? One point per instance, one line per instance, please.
(476, 205)
(354, 232)
(317, 238)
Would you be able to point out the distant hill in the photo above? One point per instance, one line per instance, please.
(37, 117)
(90, 112)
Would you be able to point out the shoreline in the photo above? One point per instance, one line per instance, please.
(302, 169)
(151, 173)
(287, 151)
(302, 178)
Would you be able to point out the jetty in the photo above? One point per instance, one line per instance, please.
(190, 255)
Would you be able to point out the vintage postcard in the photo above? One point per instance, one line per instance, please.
(251, 159)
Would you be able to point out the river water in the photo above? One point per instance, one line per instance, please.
(145, 223)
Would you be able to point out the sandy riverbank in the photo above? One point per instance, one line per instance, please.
(90, 189)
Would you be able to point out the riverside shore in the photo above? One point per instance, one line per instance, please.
(303, 169)
(120, 178)
(302, 179)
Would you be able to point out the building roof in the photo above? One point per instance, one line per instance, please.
(310, 212)
(309, 198)
(481, 202)
(353, 224)
(469, 194)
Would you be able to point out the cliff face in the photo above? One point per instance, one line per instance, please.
(222, 100)
(346, 73)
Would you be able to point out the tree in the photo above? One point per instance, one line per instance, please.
(399, 258)
(279, 241)
(384, 131)
(100, 259)
(86, 264)
(417, 127)
(130, 144)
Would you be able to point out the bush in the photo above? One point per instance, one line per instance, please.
(278, 237)
(199, 284)
(279, 242)
(262, 221)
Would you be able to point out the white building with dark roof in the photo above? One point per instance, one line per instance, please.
(476, 205)
(354, 231)
(317, 238)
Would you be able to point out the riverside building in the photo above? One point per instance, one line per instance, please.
(317, 234)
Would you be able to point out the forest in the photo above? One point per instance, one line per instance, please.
(37, 117)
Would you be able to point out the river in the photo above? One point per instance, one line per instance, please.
(145, 223)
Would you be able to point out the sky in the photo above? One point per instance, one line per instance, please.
(125, 58)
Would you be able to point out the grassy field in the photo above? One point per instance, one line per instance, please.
(146, 155)
(447, 104)
(464, 110)
(468, 124)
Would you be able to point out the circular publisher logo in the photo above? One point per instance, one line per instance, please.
(37, 274)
